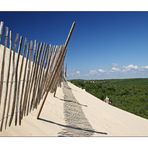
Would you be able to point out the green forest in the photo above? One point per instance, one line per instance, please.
(128, 94)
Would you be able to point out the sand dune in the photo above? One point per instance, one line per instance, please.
(74, 112)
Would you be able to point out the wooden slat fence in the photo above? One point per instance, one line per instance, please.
(29, 70)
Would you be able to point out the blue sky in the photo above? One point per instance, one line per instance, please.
(103, 44)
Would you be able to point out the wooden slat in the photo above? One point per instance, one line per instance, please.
(38, 94)
(11, 80)
(29, 75)
(35, 76)
(7, 80)
(23, 101)
(47, 70)
(19, 83)
(24, 77)
(8, 74)
(34, 73)
(43, 77)
(16, 82)
(3, 63)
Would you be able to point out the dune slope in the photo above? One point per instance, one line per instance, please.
(74, 112)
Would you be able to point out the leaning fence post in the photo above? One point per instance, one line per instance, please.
(65, 46)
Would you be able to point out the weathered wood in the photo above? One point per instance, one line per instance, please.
(53, 87)
(31, 78)
(8, 72)
(50, 68)
(3, 63)
(49, 51)
(52, 65)
(27, 81)
(47, 71)
(11, 80)
(24, 86)
(36, 74)
(29, 73)
(50, 84)
(24, 77)
(18, 87)
(33, 73)
(43, 78)
(16, 81)
(38, 89)
(57, 66)
(57, 77)
(40, 72)
(19, 84)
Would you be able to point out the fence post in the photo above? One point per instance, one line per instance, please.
(65, 46)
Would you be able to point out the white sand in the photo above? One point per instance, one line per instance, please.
(53, 110)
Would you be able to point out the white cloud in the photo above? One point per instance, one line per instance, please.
(130, 67)
(145, 67)
(101, 70)
(115, 69)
